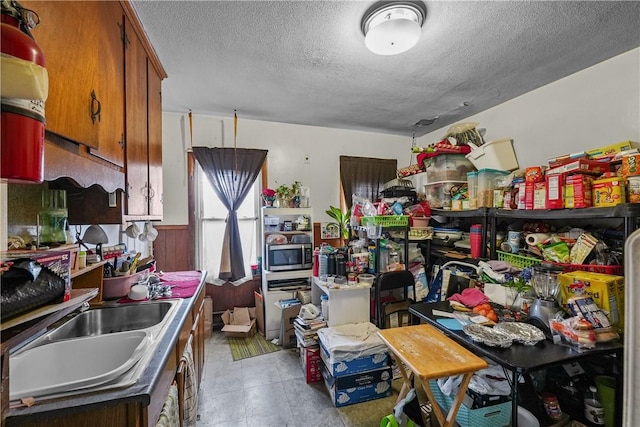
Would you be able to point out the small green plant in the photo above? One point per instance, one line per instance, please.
(519, 286)
(342, 219)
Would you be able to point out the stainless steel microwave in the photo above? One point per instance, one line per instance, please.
(290, 256)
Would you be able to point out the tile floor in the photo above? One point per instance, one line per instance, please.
(270, 390)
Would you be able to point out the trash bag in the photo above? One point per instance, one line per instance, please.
(28, 285)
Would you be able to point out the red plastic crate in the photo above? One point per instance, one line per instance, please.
(617, 270)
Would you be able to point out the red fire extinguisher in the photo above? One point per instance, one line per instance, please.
(24, 89)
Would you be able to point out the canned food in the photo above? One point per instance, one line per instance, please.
(633, 189)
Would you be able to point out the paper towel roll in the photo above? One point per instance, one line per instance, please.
(535, 238)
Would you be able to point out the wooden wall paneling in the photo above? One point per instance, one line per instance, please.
(172, 248)
(228, 296)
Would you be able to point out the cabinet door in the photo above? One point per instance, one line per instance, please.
(136, 149)
(154, 111)
(110, 90)
(68, 36)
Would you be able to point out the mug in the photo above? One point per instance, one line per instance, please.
(133, 230)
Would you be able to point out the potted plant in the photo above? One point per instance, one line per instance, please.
(268, 196)
(284, 194)
(342, 219)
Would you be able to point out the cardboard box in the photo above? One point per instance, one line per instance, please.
(257, 296)
(631, 165)
(602, 288)
(310, 361)
(287, 330)
(593, 167)
(529, 188)
(610, 150)
(608, 192)
(304, 296)
(361, 387)
(577, 191)
(354, 366)
(555, 191)
(539, 195)
(240, 323)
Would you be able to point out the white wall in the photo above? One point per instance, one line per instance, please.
(287, 144)
(591, 108)
(596, 106)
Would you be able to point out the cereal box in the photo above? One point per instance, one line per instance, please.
(608, 192)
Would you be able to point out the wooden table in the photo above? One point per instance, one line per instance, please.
(429, 354)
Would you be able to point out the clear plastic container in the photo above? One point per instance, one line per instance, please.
(438, 194)
(472, 184)
(448, 167)
(487, 182)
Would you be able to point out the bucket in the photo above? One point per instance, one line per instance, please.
(607, 390)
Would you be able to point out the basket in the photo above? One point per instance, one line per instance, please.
(518, 260)
(385, 220)
(616, 270)
(489, 416)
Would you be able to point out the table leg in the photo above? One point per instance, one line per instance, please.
(453, 412)
(406, 379)
(514, 399)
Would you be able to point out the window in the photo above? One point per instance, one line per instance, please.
(211, 217)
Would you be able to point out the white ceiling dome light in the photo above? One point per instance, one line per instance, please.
(391, 28)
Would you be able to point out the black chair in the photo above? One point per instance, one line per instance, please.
(385, 286)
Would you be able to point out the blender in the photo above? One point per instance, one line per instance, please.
(545, 284)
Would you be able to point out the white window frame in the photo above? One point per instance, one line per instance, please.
(255, 248)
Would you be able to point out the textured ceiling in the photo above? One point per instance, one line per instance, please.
(304, 62)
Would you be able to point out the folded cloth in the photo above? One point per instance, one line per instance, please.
(503, 267)
(470, 297)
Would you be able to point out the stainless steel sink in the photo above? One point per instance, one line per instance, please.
(107, 320)
(99, 349)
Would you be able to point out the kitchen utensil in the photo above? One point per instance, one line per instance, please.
(545, 285)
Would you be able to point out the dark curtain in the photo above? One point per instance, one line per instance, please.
(365, 177)
(231, 173)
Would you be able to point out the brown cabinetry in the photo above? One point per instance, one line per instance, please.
(144, 132)
(103, 113)
(82, 44)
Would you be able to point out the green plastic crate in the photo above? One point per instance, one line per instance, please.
(518, 260)
(386, 220)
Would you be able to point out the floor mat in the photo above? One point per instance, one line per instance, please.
(243, 348)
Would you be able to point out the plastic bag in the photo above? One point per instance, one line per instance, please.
(28, 285)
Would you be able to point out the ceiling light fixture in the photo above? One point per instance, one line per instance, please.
(391, 28)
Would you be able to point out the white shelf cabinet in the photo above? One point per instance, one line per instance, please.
(350, 304)
(272, 313)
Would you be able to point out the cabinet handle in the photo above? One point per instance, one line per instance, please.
(122, 141)
(152, 192)
(96, 107)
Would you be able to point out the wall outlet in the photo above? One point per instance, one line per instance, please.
(113, 202)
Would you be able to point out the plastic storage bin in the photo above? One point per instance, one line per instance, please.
(438, 194)
(448, 167)
(498, 154)
(486, 184)
(472, 184)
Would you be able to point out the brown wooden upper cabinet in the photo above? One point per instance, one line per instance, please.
(83, 46)
(105, 96)
(144, 132)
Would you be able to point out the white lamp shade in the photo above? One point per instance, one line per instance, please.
(393, 37)
(394, 27)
